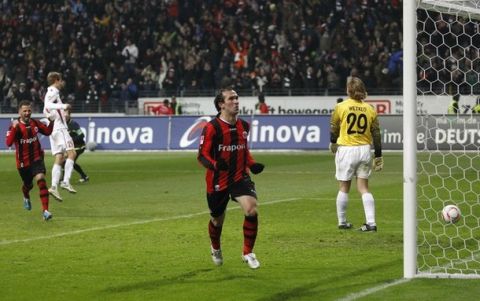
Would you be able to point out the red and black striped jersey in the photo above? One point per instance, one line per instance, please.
(228, 141)
(27, 144)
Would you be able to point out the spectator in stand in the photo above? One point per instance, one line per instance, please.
(23, 93)
(37, 92)
(163, 108)
(175, 106)
(170, 82)
(81, 90)
(12, 99)
(453, 107)
(261, 107)
(5, 83)
(216, 42)
(476, 108)
(132, 91)
(130, 53)
(92, 99)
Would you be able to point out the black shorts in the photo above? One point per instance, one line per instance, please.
(28, 173)
(218, 200)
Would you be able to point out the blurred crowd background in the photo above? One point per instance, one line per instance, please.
(113, 52)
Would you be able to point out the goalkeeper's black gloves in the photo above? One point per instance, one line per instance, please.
(221, 164)
(257, 168)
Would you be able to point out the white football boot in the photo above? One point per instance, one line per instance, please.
(217, 256)
(251, 260)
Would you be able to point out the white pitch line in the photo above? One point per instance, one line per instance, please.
(183, 216)
(374, 289)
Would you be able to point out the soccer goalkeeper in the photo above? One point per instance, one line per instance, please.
(224, 152)
(353, 127)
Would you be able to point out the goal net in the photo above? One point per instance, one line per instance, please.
(448, 146)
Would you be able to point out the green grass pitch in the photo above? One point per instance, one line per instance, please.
(138, 231)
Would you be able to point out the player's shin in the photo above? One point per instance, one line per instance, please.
(250, 229)
(342, 202)
(369, 207)
(215, 232)
(56, 173)
(68, 170)
(43, 190)
(26, 191)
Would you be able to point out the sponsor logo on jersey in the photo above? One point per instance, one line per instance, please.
(231, 148)
(29, 140)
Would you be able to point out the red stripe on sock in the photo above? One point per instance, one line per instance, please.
(215, 233)
(42, 186)
(250, 229)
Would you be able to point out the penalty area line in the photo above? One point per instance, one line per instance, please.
(372, 290)
(141, 222)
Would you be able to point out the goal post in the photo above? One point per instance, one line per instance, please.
(409, 139)
(441, 159)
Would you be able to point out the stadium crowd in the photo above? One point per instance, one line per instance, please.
(110, 52)
(447, 62)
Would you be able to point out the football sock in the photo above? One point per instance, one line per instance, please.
(68, 170)
(42, 187)
(250, 229)
(26, 191)
(215, 233)
(342, 202)
(56, 173)
(369, 207)
(79, 169)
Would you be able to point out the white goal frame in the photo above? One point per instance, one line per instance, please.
(409, 138)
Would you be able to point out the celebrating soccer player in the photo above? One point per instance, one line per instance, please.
(29, 154)
(224, 152)
(353, 127)
(60, 140)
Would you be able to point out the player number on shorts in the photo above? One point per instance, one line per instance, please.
(359, 122)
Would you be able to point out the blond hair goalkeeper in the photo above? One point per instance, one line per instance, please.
(353, 128)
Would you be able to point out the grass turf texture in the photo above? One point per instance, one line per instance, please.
(138, 231)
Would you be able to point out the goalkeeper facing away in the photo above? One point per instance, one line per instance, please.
(353, 127)
(223, 151)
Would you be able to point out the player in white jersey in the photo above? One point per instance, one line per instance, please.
(353, 128)
(60, 139)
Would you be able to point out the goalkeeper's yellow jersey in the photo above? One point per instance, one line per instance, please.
(353, 122)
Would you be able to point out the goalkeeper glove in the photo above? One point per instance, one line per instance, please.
(221, 164)
(257, 168)
(333, 147)
(377, 164)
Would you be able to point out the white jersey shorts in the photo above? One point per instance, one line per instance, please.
(353, 161)
(60, 141)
